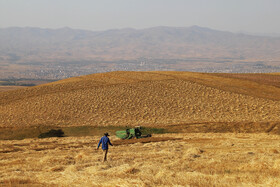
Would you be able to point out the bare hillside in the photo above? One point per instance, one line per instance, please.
(144, 98)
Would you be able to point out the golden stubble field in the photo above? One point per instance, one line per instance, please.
(144, 98)
(210, 159)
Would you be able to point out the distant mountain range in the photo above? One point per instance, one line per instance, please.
(36, 46)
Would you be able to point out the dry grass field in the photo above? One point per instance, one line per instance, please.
(211, 159)
(144, 98)
(227, 126)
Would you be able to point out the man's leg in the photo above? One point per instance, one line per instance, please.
(105, 151)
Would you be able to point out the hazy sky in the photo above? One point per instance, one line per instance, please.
(256, 16)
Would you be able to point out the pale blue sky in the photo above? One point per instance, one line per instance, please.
(256, 16)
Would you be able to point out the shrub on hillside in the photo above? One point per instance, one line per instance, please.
(52, 133)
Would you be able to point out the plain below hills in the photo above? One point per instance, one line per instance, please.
(144, 98)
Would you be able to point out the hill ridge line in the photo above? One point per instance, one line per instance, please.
(103, 84)
(53, 84)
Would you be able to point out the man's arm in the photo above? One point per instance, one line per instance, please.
(99, 143)
(110, 142)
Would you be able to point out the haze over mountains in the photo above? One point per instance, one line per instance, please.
(60, 53)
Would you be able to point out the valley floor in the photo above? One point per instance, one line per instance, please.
(193, 159)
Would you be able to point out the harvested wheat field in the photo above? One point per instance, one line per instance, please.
(227, 126)
(144, 98)
(210, 159)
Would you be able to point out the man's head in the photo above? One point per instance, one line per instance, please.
(106, 134)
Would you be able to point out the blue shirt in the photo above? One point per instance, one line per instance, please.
(104, 141)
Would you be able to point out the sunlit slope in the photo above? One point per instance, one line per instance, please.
(143, 98)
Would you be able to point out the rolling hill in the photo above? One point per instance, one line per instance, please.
(144, 98)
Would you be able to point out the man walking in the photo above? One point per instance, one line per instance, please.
(104, 141)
